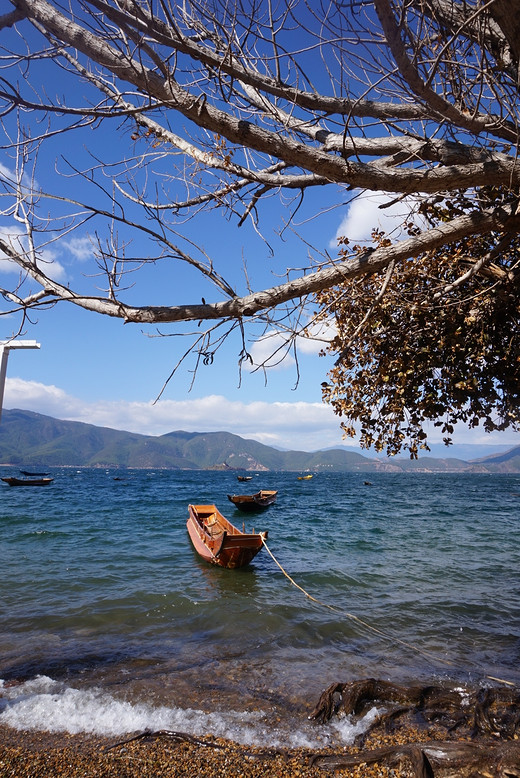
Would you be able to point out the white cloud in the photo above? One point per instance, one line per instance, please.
(365, 213)
(50, 266)
(41, 398)
(5, 172)
(275, 351)
(80, 248)
(11, 181)
(300, 426)
(317, 338)
(12, 236)
(16, 238)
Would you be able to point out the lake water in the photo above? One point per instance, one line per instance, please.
(110, 623)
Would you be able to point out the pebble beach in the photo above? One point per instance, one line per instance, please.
(43, 755)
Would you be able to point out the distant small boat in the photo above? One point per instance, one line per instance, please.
(25, 472)
(253, 502)
(12, 481)
(218, 541)
(244, 477)
(304, 477)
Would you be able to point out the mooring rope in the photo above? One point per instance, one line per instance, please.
(368, 626)
(355, 618)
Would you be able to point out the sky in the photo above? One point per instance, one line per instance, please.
(95, 369)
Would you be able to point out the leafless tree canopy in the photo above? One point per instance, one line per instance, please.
(124, 122)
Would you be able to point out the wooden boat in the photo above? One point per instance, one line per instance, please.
(218, 541)
(253, 502)
(304, 477)
(244, 477)
(33, 475)
(12, 481)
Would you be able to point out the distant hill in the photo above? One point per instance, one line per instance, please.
(31, 440)
(508, 462)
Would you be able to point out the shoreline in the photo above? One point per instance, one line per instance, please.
(418, 732)
(48, 755)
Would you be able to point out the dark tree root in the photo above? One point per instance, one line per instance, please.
(179, 737)
(438, 758)
(183, 737)
(488, 718)
(490, 712)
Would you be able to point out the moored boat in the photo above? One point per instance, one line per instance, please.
(218, 541)
(304, 477)
(244, 477)
(12, 481)
(253, 502)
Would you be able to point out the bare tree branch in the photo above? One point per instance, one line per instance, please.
(154, 120)
(372, 261)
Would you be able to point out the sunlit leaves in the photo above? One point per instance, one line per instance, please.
(440, 345)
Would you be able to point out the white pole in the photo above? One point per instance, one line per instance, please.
(5, 347)
(3, 371)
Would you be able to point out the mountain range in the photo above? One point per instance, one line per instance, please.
(32, 440)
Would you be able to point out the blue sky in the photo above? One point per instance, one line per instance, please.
(97, 370)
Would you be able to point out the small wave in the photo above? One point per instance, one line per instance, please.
(48, 705)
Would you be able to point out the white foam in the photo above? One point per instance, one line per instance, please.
(348, 729)
(45, 704)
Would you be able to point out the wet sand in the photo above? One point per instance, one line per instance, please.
(45, 755)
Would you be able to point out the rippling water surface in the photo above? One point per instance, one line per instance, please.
(112, 623)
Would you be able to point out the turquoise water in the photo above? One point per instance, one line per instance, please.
(110, 623)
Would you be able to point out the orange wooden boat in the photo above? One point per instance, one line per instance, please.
(218, 541)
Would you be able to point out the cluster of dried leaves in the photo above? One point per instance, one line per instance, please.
(425, 341)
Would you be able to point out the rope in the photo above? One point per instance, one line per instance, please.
(368, 626)
(353, 617)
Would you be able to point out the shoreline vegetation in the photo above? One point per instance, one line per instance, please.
(419, 732)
